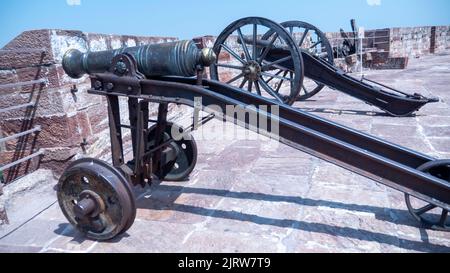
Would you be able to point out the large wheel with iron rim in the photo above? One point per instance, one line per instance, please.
(186, 147)
(96, 199)
(429, 215)
(310, 39)
(241, 58)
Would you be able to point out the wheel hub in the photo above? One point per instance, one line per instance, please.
(186, 149)
(96, 199)
(89, 205)
(252, 70)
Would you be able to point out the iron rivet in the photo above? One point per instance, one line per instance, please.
(97, 84)
(121, 67)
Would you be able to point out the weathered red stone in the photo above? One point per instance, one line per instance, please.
(224, 56)
(57, 130)
(57, 159)
(21, 59)
(35, 39)
(98, 117)
(20, 169)
(204, 41)
(49, 73)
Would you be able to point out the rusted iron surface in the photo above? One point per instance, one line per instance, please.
(96, 198)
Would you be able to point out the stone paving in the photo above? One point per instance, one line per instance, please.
(255, 195)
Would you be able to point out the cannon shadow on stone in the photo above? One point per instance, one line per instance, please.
(347, 232)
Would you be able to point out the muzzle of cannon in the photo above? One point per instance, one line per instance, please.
(180, 58)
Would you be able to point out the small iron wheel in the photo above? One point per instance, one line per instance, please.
(181, 168)
(241, 59)
(310, 39)
(429, 215)
(96, 199)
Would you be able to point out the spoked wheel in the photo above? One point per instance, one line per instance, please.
(429, 215)
(310, 39)
(181, 168)
(241, 59)
(96, 199)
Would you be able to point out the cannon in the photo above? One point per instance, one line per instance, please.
(348, 46)
(96, 197)
(266, 64)
(178, 58)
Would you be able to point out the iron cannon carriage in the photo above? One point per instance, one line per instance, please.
(264, 62)
(97, 198)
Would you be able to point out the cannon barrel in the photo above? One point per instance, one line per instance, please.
(179, 58)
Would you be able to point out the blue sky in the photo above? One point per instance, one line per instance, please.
(187, 19)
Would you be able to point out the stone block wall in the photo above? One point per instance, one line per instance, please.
(378, 39)
(414, 41)
(69, 120)
(417, 41)
(403, 42)
(442, 38)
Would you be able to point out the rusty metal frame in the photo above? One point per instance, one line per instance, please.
(390, 100)
(377, 159)
(393, 102)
